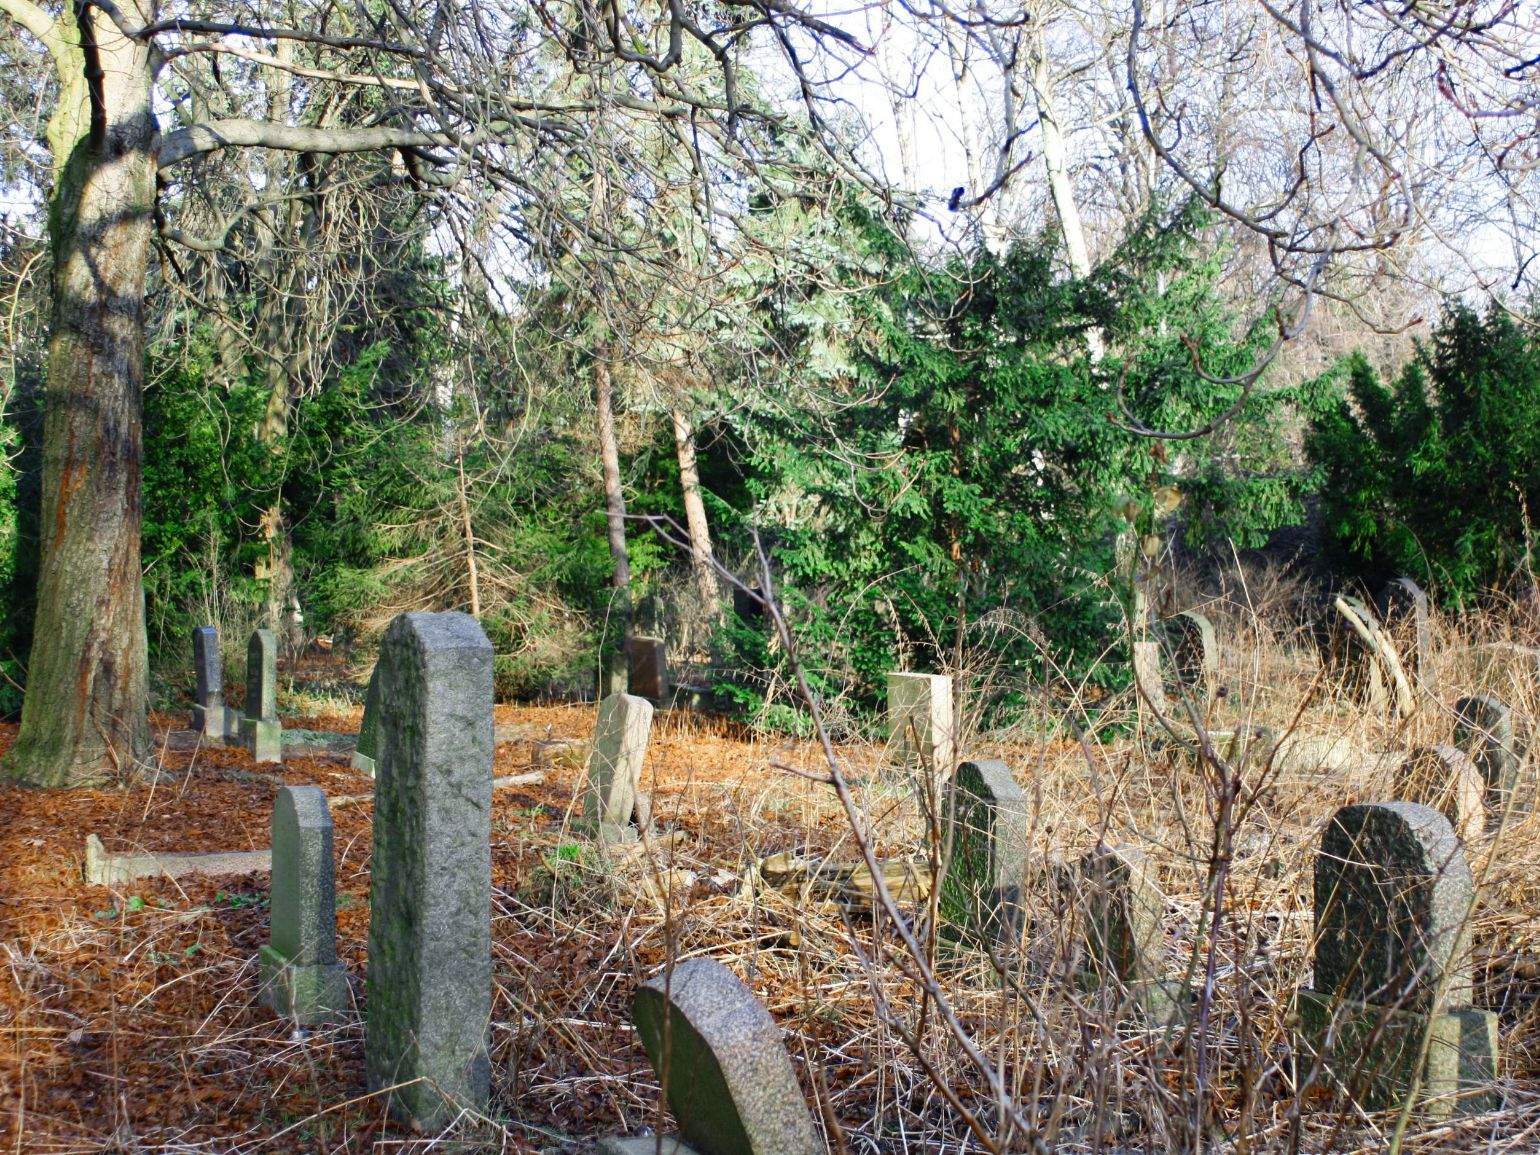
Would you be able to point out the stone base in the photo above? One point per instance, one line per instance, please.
(232, 725)
(209, 721)
(363, 763)
(262, 739)
(641, 1145)
(310, 994)
(1372, 1053)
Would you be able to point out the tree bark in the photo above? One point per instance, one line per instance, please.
(84, 717)
(468, 528)
(615, 510)
(1056, 166)
(614, 495)
(699, 529)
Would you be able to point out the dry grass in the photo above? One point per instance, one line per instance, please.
(132, 1025)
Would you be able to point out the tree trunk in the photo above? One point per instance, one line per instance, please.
(615, 509)
(468, 528)
(614, 496)
(281, 335)
(1056, 165)
(84, 716)
(701, 557)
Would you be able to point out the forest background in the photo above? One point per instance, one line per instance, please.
(946, 418)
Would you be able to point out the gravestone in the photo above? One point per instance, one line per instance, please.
(1124, 912)
(300, 976)
(922, 730)
(365, 751)
(1484, 730)
(615, 767)
(208, 712)
(260, 732)
(1393, 898)
(1189, 650)
(647, 661)
(726, 1074)
(1403, 606)
(1148, 677)
(1444, 778)
(430, 888)
(987, 853)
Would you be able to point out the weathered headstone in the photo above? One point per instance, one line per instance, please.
(299, 973)
(1403, 606)
(1393, 899)
(208, 712)
(987, 859)
(1150, 682)
(260, 732)
(647, 660)
(922, 729)
(719, 1054)
(1484, 730)
(1189, 649)
(430, 930)
(1124, 911)
(1444, 778)
(367, 749)
(615, 767)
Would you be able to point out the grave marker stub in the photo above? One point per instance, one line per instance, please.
(208, 712)
(430, 934)
(260, 732)
(300, 975)
(987, 861)
(615, 766)
(1393, 896)
(647, 661)
(1484, 729)
(730, 1083)
(921, 722)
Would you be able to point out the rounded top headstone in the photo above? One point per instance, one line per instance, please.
(1393, 894)
(730, 1083)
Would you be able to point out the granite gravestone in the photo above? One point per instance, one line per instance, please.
(1389, 1008)
(615, 767)
(260, 732)
(208, 712)
(299, 973)
(719, 1054)
(365, 751)
(1444, 778)
(1485, 731)
(921, 722)
(430, 932)
(987, 853)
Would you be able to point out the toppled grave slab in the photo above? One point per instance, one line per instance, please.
(907, 879)
(104, 868)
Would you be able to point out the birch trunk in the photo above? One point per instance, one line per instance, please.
(699, 529)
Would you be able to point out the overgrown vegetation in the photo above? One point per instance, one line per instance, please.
(1434, 471)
